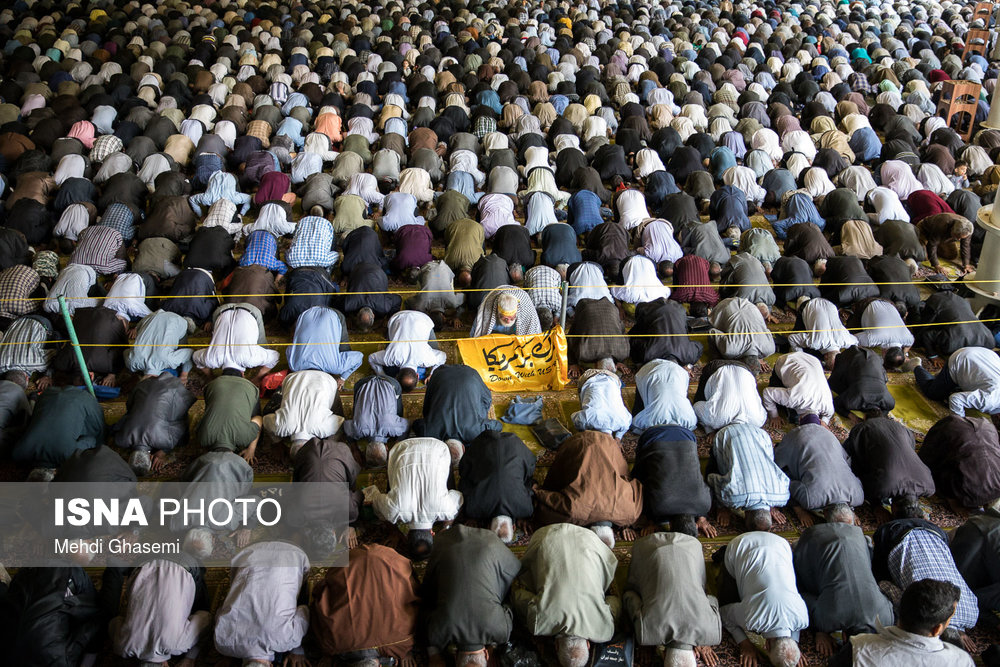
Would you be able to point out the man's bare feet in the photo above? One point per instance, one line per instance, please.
(748, 654)
(524, 525)
(777, 517)
(408, 661)
(968, 643)
(376, 454)
(764, 367)
(723, 517)
(824, 644)
(295, 660)
(804, 516)
(648, 530)
(159, 458)
(706, 655)
(774, 422)
(706, 528)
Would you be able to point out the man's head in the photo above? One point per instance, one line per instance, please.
(684, 523)
(456, 449)
(420, 542)
(437, 317)
(606, 364)
(752, 362)
(801, 301)
(714, 270)
(472, 658)
(141, 462)
(503, 526)
(463, 278)
(961, 229)
(759, 519)
(562, 270)
(516, 273)
(316, 211)
(914, 267)
(20, 378)
(366, 319)
(322, 537)
(783, 652)
(506, 309)
(545, 317)
(572, 651)
(698, 309)
(894, 358)
(764, 310)
(665, 269)
(679, 657)
(819, 267)
(839, 513)
(199, 543)
(907, 507)
(927, 606)
(408, 379)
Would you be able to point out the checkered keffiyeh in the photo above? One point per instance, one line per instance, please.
(527, 318)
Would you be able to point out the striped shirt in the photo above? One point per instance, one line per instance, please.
(748, 478)
(23, 346)
(98, 248)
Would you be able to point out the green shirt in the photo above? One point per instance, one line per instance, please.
(230, 404)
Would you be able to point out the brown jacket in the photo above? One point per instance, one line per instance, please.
(589, 482)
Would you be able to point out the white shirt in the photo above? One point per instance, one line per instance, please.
(730, 398)
(883, 327)
(418, 471)
(805, 388)
(306, 410)
(409, 331)
(894, 647)
(236, 338)
(663, 387)
(826, 331)
(976, 371)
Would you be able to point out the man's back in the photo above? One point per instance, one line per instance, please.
(894, 647)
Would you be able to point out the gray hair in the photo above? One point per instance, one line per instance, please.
(679, 657)
(477, 659)
(507, 301)
(839, 512)
(572, 651)
(784, 652)
(199, 542)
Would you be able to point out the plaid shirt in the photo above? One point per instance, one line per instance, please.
(18, 282)
(97, 248)
(483, 126)
(312, 244)
(105, 145)
(924, 555)
(119, 216)
(859, 83)
(260, 129)
(542, 285)
(262, 250)
(223, 214)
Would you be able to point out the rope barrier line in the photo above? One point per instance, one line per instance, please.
(476, 289)
(455, 340)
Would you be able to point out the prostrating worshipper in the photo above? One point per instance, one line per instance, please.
(661, 397)
(692, 285)
(607, 245)
(894, 279)
(367, 610)
(436, 290)
(232, 418)
(192, 295)
(456, 406)
(464, 240)
(305, 288)
(757, 592)
(948, 236)
(412, 350)
(739, 331)
(727, 394)
(63, 420)
(846, 282)
(660, 332)
(588, 484)
(166, 610)
(237, 337)
(798, 384)
(261, 621)
(949, 324)
(910, 550)
(308, 408)
(926, 608)
(963, 455)
(512, 243)
(883, 456)
(833, 573)
(15, 410)
(506, 310)
(879, 323)
(378, 416)
(602, 407)
(975, 546)
(970, 380)
(488, 273)
(103, 335)
(603, 342)
(314, 346)
(155, 421)
(744, 477)
(51, 616)
(861, 383)
(639, 282)
(419, 472)
(792, 277)
(156, 347)
(496, 476)
(744, 276)
(327, 461)
(806, 241)
(575, 611)
(673, 489)
(667, 602)
(362, 246)
(467, 579)
(367, 296)
(819, 473)
(818, 329)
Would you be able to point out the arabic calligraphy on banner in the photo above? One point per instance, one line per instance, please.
(518, 363)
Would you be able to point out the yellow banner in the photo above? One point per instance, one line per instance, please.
(518, 363)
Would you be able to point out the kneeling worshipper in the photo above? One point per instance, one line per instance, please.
(818, 329)
(596, 336)
(419, 472)
(308, 408)
(156, 347)
(237, 337)
(963, 455)
(861, 383)
(377, 416)
(588, 485)
(667, 602)
(798, 384)
(660, 332)
(969, 380)
(947, 324)
(155, 421)
(506, 310)
(457, 406)
(728, 393)
(602, 407)
(739, 331)
(496, 476)
(63, 420)
(232, 418)
(327, 461)
(320, 343)
(410, 350)
(745, 478)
